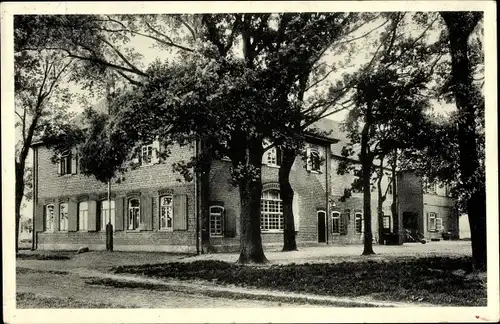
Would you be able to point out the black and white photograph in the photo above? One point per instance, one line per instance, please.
(248, 161)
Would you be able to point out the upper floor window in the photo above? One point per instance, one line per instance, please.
(166, 213)
(107, 213)
(149, 153)
(65, 163)
(49, 218)
(63, 217)
(358, 218)
(83, 215)
(134, 213)
(271, 211)
(272, 156)
(313, 159)
(216, 220)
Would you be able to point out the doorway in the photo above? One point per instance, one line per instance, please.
(321, 226)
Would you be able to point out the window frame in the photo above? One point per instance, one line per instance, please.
(63, 212)
(65, 163)
(266, 215)
(389, 217)
(221, 220)
(86, 218)
(137, 215)
(160, 217)
(336, 216)
(52, 219)
(361, 220)
(102, 220)
(431, 219)
(314, 159)
(272, 156)
(150, 159)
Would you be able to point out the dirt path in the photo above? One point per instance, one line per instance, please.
(58, 285)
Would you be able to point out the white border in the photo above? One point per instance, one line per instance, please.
(454, 314)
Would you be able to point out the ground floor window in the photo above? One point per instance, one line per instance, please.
(63, 217)
(387, 222)
(83, 216)
(166, 213)
(216, 220)
(134, 213)
(271, 211)
(336, 222)
(105, 214)
(435, 223)
(358, 218)
(49, 218)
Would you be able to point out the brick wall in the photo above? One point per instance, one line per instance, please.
(309, 191)
(148, 182)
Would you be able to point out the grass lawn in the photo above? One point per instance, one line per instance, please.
(428, 280)
(31, 300)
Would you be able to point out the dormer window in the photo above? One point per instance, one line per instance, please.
(272, 157)
(67, 163)
(149, 153)
(313, 159)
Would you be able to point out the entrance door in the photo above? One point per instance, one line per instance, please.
(321, 227)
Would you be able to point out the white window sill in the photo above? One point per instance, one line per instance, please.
(216, 236)
(166, 230)
(314, 171)
(271, 231)
(274, 166)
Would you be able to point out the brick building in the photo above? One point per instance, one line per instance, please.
(154, 209)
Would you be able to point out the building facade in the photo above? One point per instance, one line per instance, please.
(153, 208)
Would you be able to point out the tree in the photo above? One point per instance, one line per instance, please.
(388, 113)
(460, 25)
(39, 101)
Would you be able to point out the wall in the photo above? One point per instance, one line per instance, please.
(146, 182)
(355, 204)
(309, 196)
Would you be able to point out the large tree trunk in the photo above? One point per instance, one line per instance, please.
(380, 203)
(250, 188)
(207, 157)
(366, 164)
(286, 192)
(460, 26)
(19, 199)
(394, 205)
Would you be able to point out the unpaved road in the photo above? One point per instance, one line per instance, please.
(57, 285)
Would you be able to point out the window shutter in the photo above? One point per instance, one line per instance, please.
(156, 148)
(308, 161)
(429, 229)
(56, 216)
(92, 216)
(439, 224)
(147, 213)
(119, 214)
(344, 223)
(72, 216)
(229, 224)
(295, 210)
(74, 161)
(180, 212)
(59, 166)
(40, 218)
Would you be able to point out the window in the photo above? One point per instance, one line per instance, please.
(49, 218)
(389, 186)
(435, 223)
(63, 217)
(336, 222)
(134, 213)
(216, 220)
(271, 211)
(166, 213)
(313, 157)
(147, 154)
(83, 216)
(104, 214)
(387, 222)
(65, 163)
(272, 156)
(358, 218)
